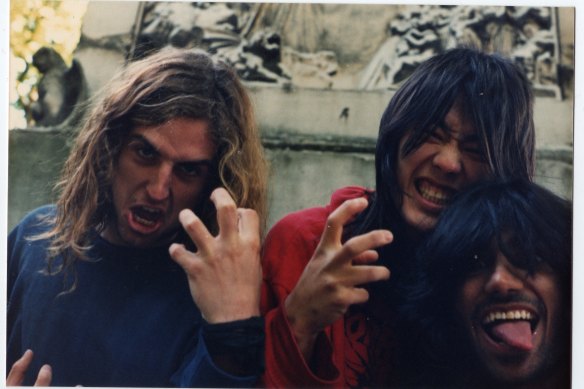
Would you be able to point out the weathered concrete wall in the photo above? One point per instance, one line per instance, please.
(34, 162)
(311, 151)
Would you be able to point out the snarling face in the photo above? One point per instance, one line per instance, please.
(161, 170)
(513, 320)
(449, 160)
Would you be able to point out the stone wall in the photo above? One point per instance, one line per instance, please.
(312, 148)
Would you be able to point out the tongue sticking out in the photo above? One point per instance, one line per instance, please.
(516, 334)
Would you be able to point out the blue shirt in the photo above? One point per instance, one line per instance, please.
(130, 321)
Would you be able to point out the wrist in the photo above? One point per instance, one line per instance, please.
(304, 333)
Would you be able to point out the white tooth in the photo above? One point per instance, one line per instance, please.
(498, 315)
(510, 315)
(144, 221)
(433, 194)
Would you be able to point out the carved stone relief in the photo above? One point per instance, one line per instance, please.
(282, 43)
(60, 89)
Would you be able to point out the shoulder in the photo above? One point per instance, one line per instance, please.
(25, 254)
(37, 221)
(348, 193)
(34, 223)
(309, 222)
(37, 217)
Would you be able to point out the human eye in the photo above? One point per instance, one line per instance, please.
(143, 151)
(146, 152)
(190, 169)
(438, 135)
(474, 150)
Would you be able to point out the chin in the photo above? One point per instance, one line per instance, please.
(421, 222)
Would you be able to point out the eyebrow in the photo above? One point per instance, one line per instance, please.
(465, 139)
(144, 140)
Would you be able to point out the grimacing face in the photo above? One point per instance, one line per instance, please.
(161, 170)
(513, 321)
(447, 162)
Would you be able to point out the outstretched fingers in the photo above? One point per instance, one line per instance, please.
(196, 229)
(336, 221)
(360, 248)
(181, 255)
(248, 224)
(362, 275)
(45, 376)
(227, 215)
(18, 370)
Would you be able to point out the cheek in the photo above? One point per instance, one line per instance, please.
(408, 164)
(549, 291)
(477, 171)
(467, 298)
(119, 185)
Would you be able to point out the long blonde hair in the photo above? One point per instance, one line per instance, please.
(168, 84)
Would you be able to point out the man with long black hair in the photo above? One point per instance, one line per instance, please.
(462, 117)
(490, 305)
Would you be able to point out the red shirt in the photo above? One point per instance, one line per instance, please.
(342, 352)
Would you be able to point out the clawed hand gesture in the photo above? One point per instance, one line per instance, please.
(225, 272)
(332, 281)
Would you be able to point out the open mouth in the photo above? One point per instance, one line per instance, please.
(146, 216)
(514, 328)
(438, 195)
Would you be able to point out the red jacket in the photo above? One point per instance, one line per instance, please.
(341, 356)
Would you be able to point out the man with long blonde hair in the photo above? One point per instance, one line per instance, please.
(92, 289)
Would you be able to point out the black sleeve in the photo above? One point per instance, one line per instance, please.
(237, 346)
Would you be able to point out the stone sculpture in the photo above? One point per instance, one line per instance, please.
(60, 89)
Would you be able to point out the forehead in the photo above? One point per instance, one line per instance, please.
(459, 124)
(183, 139)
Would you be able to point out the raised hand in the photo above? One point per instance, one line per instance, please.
(19, 368)
(225, 272)
(332, 280)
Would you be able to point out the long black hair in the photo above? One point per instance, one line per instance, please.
(529, 224)
(496, 97)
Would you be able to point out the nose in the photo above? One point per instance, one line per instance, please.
(504, 279)
(158, 187)
(449, 158)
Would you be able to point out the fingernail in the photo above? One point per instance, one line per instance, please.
(173, 247)
(186, 216)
